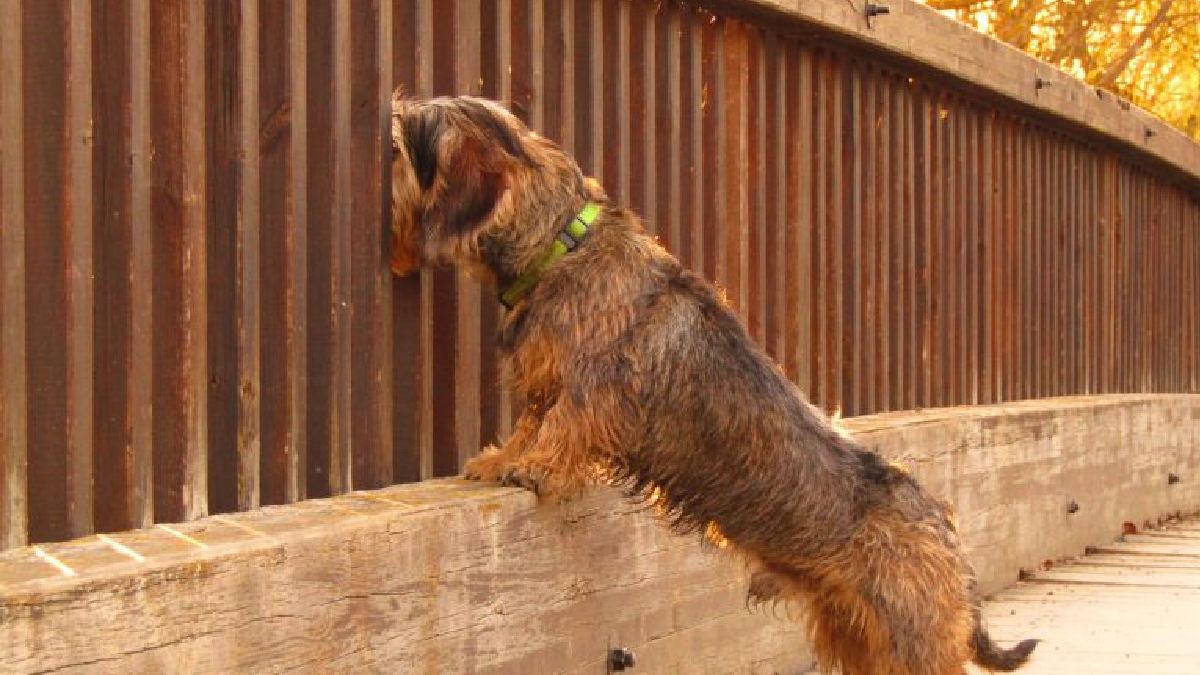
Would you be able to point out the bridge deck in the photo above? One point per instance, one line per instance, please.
(1131, 607)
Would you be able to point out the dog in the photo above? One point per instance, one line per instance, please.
(637, 373)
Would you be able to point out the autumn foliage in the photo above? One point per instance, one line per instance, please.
(1147, 51)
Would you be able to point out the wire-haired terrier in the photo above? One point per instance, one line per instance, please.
(637, 373)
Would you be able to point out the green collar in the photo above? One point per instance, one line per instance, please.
(572, 234)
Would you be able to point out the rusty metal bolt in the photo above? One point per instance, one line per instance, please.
(620, 659)
(872, 10)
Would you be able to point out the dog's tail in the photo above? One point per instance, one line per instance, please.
(992, 656)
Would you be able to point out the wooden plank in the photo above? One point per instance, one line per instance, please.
(56, 94)
(249, 268)
(666, 79)
(496, 405)
(411, 388)
(613, 87)
(14, 427)
(879, 123)
(369, 98)
(851, 343)
(281, 140)
(753, 258)
(80, 275)
(711, 141)
(793, 222)
(922, 237)
(233, 310)
(180, 368)
(140, 395)
(690, 181)
(773, 141)
(897, 319)
(467, 364)
(731, 224)
(909, 324)
(819, 296)
(639, 61)
(117, 370)
(1139, 611)
(326, 379)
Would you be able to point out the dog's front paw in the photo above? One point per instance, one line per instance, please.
(490, 465)
(532, 477)
(764, 587)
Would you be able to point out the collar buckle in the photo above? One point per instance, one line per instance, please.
(568, 239)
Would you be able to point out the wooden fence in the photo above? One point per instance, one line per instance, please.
(195, 313)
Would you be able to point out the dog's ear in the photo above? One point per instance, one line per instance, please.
(421, 134)
(473, 177)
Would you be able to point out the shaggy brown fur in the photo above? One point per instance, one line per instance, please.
(638, 373)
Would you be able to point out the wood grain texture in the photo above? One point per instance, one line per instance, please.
(463, 577)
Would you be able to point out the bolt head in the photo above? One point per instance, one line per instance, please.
(620, 659)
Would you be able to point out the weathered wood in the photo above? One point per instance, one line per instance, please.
(464, 577)
(1103, 613)
(14, 427)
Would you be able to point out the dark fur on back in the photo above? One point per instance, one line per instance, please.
(638, 373)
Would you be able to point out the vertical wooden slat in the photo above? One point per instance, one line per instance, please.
(922, 260)
(836, 89)
(412, 443)
(14, 429)
(56, 92)
(121, 373)
(495, 406)
(370, 284)
(753, 258)
(140, 394)
(906, 157)
(877, 211)
(180, 367)
(666, 78)
(613, 43)
(773, 139)
(985, 177)
(971, 260)
(794, 221)
(444, 283)
(328, 425)
(467, 365)
(692, 86)
(280, 139)
(80, 289)
(639, 61)
(713, 144)
(850, 343)
(732, 227)
(897, 319)
(819, 297)
(691, 241)
(888, 228)
(248, 274)
(232, 254)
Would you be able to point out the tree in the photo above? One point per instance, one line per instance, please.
(1147, 51)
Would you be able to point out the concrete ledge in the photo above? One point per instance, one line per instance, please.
(449, 576)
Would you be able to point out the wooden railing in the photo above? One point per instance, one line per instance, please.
(195, 313)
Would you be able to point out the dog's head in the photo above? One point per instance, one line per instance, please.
(469, 183)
